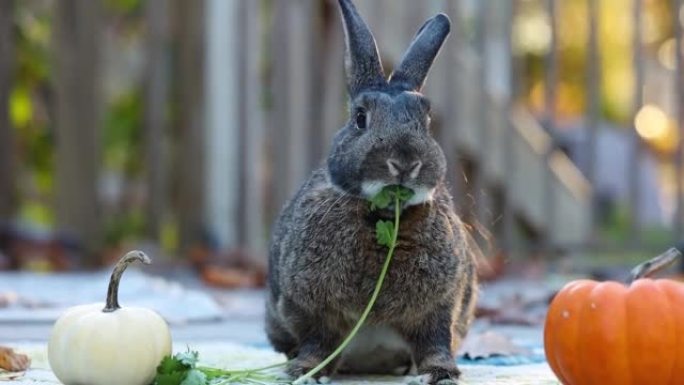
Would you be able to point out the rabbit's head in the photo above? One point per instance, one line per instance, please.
(387, 139)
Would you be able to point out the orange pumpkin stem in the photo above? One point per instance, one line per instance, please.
(655, 265)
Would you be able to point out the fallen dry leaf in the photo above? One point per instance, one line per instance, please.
(10, 376)
(12, 361)
(8, 298)
(488, 344)
(232, 277)
(12, 299)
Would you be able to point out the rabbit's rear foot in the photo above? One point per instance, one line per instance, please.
(441, 375)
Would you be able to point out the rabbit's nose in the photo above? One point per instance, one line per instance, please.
(398, 169)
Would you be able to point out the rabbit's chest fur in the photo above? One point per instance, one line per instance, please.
(331, 260)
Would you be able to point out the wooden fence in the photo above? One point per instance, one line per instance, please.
(242, 97)
(471, 90)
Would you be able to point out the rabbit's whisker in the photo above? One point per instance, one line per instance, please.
(342, 196)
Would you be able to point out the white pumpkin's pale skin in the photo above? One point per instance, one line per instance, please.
(124, 347)
(89, 346)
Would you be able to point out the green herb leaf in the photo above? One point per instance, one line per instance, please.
(403, 194)
(381, 200)
(383, 232)
(169, 365)
(188, 358)
(385, 229)
(182, 369)
(388, 194)
(175, 370)
(195, 377)
(175, 378)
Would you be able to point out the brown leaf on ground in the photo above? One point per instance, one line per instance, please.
(13, 361)
(228, 277)
(233, 269)
(8, 298)
(10, 376)
(488, 344)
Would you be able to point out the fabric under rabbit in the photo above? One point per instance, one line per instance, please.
(324, 259)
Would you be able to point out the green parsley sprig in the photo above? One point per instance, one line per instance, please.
(182, 369)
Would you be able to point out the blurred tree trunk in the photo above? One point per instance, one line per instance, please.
(7, 153)
(77, 155)
(189, 152)
(156, 98)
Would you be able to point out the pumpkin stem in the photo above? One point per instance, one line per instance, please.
(113, 290)
(655, 265)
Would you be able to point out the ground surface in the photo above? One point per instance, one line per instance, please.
(225, 326)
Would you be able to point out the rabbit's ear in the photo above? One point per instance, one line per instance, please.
(361, 61)
(414, 66)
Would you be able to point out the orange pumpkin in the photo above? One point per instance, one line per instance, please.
(614, 334)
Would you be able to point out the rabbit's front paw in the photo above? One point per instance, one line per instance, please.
(439, 375)
(300, 366)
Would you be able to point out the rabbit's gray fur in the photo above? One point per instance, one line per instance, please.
(324, 257)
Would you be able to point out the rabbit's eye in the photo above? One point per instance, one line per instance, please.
(361, 119)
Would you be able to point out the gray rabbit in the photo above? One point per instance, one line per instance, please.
(324, 258)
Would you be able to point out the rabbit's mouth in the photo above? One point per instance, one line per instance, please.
(421, 194)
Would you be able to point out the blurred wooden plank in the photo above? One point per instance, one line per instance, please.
(335, 91)
(550, 98)
(252, 229)
(222, 120)
(7, 146)
(526, 186)
(77, 154)
(481, 192)
(679, 107)
(189, 161)
(279, 118)
(507, 15)
(292, 95)
(302, 16)
(633, 175)
(156, 92)
(316, 85)
(442, 89)
(593, 88)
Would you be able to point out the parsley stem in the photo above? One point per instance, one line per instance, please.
(371, 303)
(229, 372)
(266, 367)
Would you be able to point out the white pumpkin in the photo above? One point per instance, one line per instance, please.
(104, 344)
